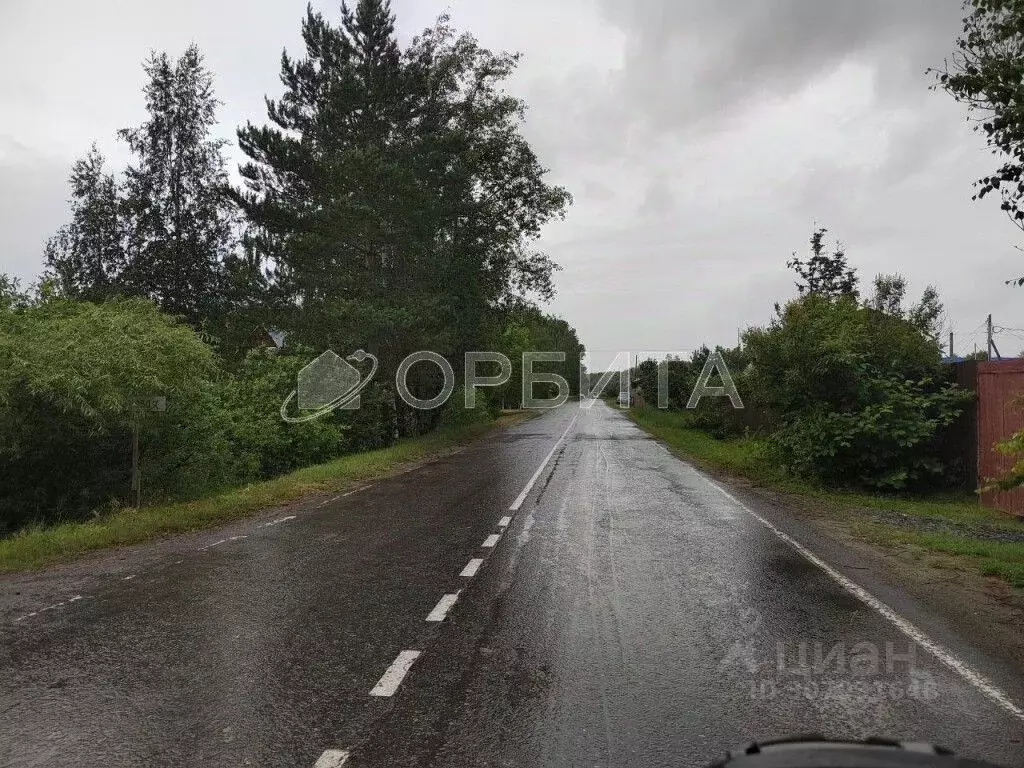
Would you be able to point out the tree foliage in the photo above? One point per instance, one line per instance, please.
(391, 204)
(824, 274)
(75, 378)
(86, 257)
(393, 192)
(927, 315)
(850, 392)
(986, 72)
(166, 231)
(855, 387)
(858, 394)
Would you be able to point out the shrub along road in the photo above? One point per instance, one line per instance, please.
(563, 592)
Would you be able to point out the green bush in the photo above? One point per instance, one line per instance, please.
(885, 440)
(857, 393)
(265, 444)
(454, 412)
(75, 377)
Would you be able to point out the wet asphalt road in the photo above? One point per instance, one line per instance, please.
(631, 614)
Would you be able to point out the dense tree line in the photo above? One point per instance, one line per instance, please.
(390, 203)
(846, 389)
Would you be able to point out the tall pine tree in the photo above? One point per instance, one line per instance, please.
(167, 231)
(85, 258)
(392, 191)
(180, 221)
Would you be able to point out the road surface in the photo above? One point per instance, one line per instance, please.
(560, 593)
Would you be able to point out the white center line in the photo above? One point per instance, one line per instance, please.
(505, 522)
(472, 567)
(53, 607)
(222, 541)
(332, 758)
(529, 486)
(443, 606)
(278, 521)
(357, 490)
(394, 675)
(491, 540)
(911, 631)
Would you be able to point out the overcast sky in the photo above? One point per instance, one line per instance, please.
(702, 141)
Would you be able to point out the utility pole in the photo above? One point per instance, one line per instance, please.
(951, 344)
(992, 342)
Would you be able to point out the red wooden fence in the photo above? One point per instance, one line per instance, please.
(1000, 414)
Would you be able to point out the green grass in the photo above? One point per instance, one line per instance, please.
(744, 456)
(40, 546)
(1002, 559)
(747, 458)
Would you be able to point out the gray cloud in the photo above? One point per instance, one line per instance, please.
(702, 141)
(690, 63)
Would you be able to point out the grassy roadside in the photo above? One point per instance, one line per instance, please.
(37, 547)
(956, 531)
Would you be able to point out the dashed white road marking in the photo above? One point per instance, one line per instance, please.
(357, 490)
(394, 675)
(529, 486)
(325, 502)
(916, 635)
(443, 606)
(332, 758)
(53, 607)
(222, 541)
(491, 540)
(278, 521)
(505, 522)
(472, 567)
(129, 577)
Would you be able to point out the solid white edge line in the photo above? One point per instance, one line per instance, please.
(472, 567)
(505, 522)
(491, 540)
(529, 486)
(443, 606)
(394, 675)
(946, 657)
(332, 758)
